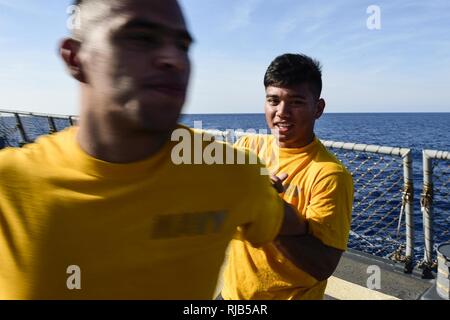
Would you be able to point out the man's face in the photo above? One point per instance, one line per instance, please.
(136, 62)
(292, 112)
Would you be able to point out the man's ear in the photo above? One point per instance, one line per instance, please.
(69, 50)
(320, 108)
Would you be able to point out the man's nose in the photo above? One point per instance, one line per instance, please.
(282, 110)
(172, 58)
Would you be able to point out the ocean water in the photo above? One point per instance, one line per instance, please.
(378, 179)
(409, 130)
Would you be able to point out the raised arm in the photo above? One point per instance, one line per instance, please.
(300, 246)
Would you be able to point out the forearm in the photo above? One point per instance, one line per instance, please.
(293, 224)
(303, 250)
(309, 254)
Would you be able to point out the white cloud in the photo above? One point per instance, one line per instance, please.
(307, 15)
(242, 13)
(286, 26)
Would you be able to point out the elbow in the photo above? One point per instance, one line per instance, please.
(322, 275)
(326, 270)
(309, 255)
(318, 270)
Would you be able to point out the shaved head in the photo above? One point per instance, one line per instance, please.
(90, 13)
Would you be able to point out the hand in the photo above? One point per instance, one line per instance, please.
(277, 181)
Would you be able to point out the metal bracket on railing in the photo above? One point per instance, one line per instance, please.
(409, 266)
(397, 254)
(427, 269)
(426, 199)
(407, 197)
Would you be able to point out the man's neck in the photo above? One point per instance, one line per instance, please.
(298, 144)
(114, 142)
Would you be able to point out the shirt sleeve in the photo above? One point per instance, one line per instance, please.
(261, 203)
(330, 210)
(266, 209)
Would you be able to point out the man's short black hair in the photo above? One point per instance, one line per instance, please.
(292, 69)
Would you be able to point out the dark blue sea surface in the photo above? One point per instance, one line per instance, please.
(408, 130)
(378, 179)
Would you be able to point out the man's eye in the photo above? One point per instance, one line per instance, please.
(184, 46)
(145, 40)
(273, 102)
(297, 103)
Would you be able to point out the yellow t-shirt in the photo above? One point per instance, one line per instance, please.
(321, 189)
(145, 230)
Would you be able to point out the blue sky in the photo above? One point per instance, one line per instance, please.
(402, 67)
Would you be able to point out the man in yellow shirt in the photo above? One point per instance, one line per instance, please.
(103, 210)
(317, 184)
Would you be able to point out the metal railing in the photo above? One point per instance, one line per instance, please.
(18, 127)
(378, 173)
(435, 205)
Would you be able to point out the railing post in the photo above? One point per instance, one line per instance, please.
(426, 203)
(409, 211)
(228, 136)
(19, 126)
(51, 124)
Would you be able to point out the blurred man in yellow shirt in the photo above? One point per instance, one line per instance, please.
(102, 210)
(317, 184)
